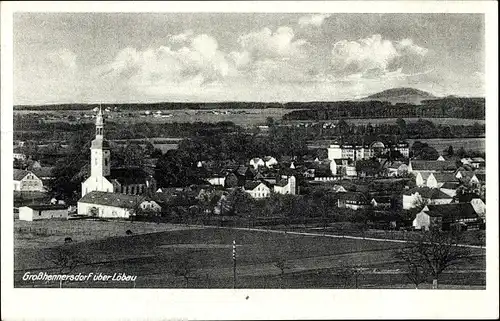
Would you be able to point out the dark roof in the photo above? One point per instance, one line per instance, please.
(19, 174)
(466, 198)
(129, 175)
(282, 182)
(426, 192)
(112, 199)
(43, 171)
(445, 177)
(428, 165)
(43, 207)
(450, 185)
(250, 185)
(450, 211)
(382, 199)
(353, 196)
(481, 177)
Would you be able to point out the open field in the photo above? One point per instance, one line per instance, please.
(243, 117)
(312, 261)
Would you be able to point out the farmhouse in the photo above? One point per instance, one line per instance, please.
(114, 205)
(450, 188)
(42, 212)
(257, 189)
(423, 195)
(353, 200)
(446, 216)
(27, 181)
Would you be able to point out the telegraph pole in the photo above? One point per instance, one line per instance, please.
(234, 264)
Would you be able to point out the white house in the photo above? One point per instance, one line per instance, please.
(257, 189)
(256, 162)
(287, 185)
(114, 205)
(217, 180)
(43, 212)
(270, 161)
(27, 181)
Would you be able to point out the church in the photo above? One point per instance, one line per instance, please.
(114, 182)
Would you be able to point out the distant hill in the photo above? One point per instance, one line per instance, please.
(401, 95)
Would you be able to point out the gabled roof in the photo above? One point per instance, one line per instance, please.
(353, 196)
(450, 185)
(282, 182)
(430, 193)
(251, 185)
(112, 199)
(425, 175)
(43, 171)
(19, 174)
(427, 165)
(452, 211)
(43, 207)
(445, 177)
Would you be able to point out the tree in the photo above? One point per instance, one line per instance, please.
(436, 251)
(66, 258)
(183, 264)
(282, 264)
(415, 271)
(450, 151)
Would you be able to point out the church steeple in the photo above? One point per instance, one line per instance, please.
(100, 153)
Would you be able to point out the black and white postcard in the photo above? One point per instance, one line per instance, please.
(249, 160)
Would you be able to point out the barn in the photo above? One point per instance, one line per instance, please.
(43, 212)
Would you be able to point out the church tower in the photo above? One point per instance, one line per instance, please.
(99, 151)
(100, 161)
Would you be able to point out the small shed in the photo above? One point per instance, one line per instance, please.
(43, 212)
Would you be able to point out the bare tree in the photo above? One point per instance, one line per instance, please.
(415, 271)
(437, 251)
(282, 264)
(65, 259)
(184, 265)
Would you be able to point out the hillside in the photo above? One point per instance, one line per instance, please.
(401, 95)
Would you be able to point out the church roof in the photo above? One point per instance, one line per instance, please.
(129, 175)
(112, 199)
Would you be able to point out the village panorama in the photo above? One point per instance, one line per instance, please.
(382, 189)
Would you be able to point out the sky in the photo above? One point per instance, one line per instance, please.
(197, 57)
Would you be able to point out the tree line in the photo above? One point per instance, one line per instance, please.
(473, 108)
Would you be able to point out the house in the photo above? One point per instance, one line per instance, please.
(381, 201)
(270, 161)
(477, 162)
(436, 180)
(446, 216)
(257, 189)
(343, 167)
(353, 200)
(476, 202)
(43, 212)
(286, 185)
(450, 188)
(423, 195)
(418, 166)
(27, 181)
(421, 178)
(19, 154)
(44, 173)
(256, 162)
(467, 177)
(440, 158)
(396, 168)
(114, 205)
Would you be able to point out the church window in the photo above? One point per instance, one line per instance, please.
(106, 162)
(95, 161)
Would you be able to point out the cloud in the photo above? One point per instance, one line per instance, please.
(63, 58)
(181, 37)
(268, 44)
(375, 57)
(406, 46)
(313, 20)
